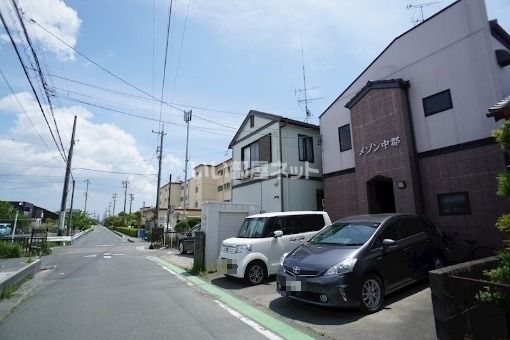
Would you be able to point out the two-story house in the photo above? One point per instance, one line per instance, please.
(277, 163)
(410, 133)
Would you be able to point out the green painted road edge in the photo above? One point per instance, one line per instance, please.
(247, 310)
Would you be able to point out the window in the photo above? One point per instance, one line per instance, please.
(226, 201)
(256, 153)
(226, 186)
(305, 148)
(196, 189)
(437, 103)
(283, 223)
(410, 227)
(252, 121)
(197, 174)
(390, 232)
(454, 203)
(307, 223)
(196, 204)
(220, 188)
(220, 173)
(344, 136)
(182, 199)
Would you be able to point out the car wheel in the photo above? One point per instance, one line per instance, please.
(181, 248)
(255, 273)
(372, 294)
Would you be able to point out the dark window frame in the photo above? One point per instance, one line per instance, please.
(467, 210)
(252, 160)
(220, 188)
(303, 141)
(252, 121)
(432, 112)
(340, 129)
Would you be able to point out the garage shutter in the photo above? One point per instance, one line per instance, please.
(230, 223)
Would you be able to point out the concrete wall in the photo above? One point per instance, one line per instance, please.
(264, 193)
(217, 228)
(453, 50)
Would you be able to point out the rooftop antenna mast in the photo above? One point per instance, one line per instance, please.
(420, 6)
(305, 90)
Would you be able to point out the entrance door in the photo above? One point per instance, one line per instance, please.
(380, 195)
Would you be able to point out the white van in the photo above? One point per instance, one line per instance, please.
(255, 253)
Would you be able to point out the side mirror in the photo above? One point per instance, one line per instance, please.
(388, 243)
(278, 233)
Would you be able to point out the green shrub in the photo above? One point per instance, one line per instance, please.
(182, 226)
(126, 231)
(502, 135)
(504, 184)
(9, 250)
(193, 221)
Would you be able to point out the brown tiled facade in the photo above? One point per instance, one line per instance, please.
(380, 114)
(473, 170)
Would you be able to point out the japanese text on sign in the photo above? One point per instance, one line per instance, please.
(373, 147)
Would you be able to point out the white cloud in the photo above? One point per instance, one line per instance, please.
(54, 15)
(103, 147)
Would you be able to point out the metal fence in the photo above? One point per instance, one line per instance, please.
(29, 242)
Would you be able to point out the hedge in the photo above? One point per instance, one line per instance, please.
(126, 231)
(9, 250)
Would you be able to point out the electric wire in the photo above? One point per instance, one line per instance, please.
(7, 30)
(39, 71)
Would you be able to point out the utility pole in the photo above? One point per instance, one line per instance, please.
(169, 206)
(187, 119)
(125, 186)
(62, 216)
(109, 208)
(70, 211)
(86, 195)
(131, 198)
(160, 157)
(114, 196)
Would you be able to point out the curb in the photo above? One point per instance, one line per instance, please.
(19, 275)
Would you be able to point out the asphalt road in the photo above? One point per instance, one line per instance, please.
(104, 288)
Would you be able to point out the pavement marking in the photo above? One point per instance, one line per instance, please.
(177, 275)
(265, 320)
(107, 254)
(107, 257)
(143, 248)
(105, 245)
(118, 254)
(61, 273)
(90, 256)
(268, 334)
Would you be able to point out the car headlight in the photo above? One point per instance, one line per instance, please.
(243, 248)
(346, 266)
(283, 258)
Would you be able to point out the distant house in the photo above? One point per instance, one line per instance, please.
(410, 133)
(36, 213)
(277, 163)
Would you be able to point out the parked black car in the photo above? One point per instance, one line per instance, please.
(187, 241)
(357, 260)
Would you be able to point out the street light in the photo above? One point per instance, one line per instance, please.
(15, 222)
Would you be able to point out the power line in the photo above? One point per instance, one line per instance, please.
(39, 71)
(31, 84)
(97, 64)
(114, 172)
(24, 111)
(165, 60)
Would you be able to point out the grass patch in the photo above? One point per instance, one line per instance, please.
(126, 231)
(9, 250)
(10, 290)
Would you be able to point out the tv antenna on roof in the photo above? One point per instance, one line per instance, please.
(420, 6)
(305, 89)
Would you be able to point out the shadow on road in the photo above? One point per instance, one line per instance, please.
(234, 283)
(317, 315)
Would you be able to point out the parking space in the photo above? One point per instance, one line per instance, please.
(407, 313)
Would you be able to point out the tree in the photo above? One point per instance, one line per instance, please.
(501, 274)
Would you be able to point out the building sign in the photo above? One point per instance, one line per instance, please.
(372, 148)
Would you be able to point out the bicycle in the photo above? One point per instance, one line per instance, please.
(467, 250)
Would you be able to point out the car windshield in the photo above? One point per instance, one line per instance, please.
(252, 227)
(346, 234)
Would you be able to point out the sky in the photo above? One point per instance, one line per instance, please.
(224, 58)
